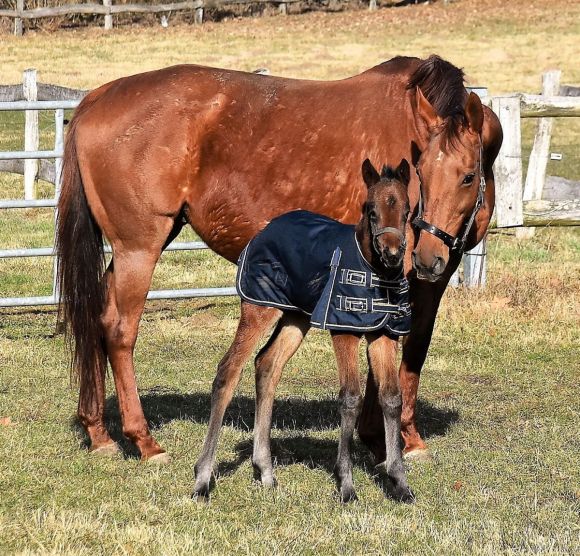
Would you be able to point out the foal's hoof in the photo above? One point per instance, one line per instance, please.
(106, 450)
(399, 492)
(159, 459)
(201, 492)
(348, 495)
(269, 482)
(420, 455)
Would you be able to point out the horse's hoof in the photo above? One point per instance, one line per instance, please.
(401, 494)
(420, 455)
(106, 450)
(159, 459)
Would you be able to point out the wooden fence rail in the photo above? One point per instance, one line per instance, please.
(107, 9)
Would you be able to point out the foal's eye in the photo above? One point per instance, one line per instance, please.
(468, 179)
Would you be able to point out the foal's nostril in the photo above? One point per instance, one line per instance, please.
(393, 257)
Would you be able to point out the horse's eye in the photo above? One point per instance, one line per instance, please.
(468, 179)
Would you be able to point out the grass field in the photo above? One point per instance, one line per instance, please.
(499, 395)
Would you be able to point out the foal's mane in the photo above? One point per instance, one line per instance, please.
(442, 83)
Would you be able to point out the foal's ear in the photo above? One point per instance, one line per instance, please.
(404, 171)
(369, 174)
(426, 111)
(474, 113)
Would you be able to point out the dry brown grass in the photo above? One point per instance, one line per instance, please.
(504, 45)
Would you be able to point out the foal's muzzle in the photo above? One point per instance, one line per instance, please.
(392, 258)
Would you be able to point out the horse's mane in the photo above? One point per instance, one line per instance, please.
(442, 83)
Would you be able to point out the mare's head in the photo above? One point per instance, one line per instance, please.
(449, 167)
(381, 230)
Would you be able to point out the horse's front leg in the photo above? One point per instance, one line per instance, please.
(346, 351)
(382, 355)
(425, 299)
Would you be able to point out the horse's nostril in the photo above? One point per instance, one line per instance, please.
(438, 265)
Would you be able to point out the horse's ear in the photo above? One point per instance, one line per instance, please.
(474, 113)
(369, 174)
(426, 111)
(404, 171)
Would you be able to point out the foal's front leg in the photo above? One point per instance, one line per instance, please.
(346, 351)
(382, 356)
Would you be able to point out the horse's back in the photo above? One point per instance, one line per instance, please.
(236, 149)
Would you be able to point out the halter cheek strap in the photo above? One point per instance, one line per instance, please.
(454, 243)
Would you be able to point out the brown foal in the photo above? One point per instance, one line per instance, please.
(387, 206)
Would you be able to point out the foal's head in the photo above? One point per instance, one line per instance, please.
(381, 231)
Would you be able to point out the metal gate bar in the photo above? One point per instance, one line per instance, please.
(57, 154)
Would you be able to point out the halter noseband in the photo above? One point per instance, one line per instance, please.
(454, 243)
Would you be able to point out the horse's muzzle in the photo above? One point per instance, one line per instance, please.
(429, 273)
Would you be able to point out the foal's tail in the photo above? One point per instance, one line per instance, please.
(81, 264)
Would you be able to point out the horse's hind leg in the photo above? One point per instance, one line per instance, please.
(346, 351)
(382, 354)
(269, 365)
(254, 322)
(132, 270)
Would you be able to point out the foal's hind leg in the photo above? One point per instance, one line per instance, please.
(269, 365)
(346, 351)
(254, 322)
(382, 353)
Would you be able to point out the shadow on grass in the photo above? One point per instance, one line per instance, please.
(295, 415)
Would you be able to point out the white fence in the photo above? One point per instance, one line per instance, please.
(514, 207)
(57, 154)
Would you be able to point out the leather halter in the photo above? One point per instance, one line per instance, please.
(454, 243)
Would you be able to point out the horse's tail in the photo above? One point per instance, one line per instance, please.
(81, 264)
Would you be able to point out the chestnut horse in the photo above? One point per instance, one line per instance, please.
(226, 152)
(380, 239)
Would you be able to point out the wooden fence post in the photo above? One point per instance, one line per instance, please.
(18, 24)
(536, 176)
(31, 139)
(372, 5)
(108, 17)
(198, 15)
(283, 8)
(475, 266)
(508, 165)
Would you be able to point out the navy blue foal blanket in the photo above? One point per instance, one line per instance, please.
(306, 262)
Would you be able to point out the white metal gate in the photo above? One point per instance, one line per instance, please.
(57, 153)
